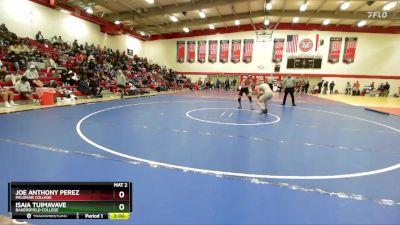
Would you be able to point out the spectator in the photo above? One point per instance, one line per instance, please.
(8, 97)
(348, 89)
(331, 87)
(200, 82)
(325, 87)
(39, 37)
(91, 65)
(84, 88)
(306, 86)
(227, 87)
(60, 40)
(320, 86)
(32, 75)
(22, 48)
(67, 78)
(121, 83)
(13, 48)
(95, 86)
(356, 88)
(90, 58)
(50, 64)
(315, 90)
(2, 71)
(54, 40)
(217, 84)
(297, 87)
(386, 89)
(234, 82)
(79, 58)
(372, 86)
(14, 59)
(24, 89)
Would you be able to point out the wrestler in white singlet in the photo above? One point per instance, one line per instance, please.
(264, 94)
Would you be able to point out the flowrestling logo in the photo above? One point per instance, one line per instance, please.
(377, 15)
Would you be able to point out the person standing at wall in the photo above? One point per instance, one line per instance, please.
(288, 85)
(227, 87)
(234, 83)
(348, 89)
(331, 87)
(306, 86)
(217, 84)
(320, 86)
(325, 87)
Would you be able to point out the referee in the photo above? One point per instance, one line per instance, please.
(288, 85)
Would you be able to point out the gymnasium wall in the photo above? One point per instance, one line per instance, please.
(26, 18)
(376, 54)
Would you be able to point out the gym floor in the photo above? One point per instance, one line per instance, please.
(194, 158)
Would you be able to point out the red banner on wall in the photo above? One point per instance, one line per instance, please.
(212, 51)
(334, 49)
(223, 51)
(349, 52)
(248, 50)
(201, 51)
(191, 51)
(236, 49)
(180, 51)
(277, 53)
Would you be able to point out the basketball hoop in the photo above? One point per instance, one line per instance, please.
(264, 35)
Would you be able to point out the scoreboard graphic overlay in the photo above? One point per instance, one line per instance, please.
(66, 200)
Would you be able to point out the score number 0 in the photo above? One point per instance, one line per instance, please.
(121, 195)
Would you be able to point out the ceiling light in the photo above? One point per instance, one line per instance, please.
(202, 14)
(296, 19)
(150, 1)
(303, 7)
(326, 22)
(237, 22)
(117, 22)
(65, 11)
(362, 23)
(211, 26)
(266, 22)
(173, 19)
(186, 29)
(389, 6)
(345, 5)
(89, 10)
(268, 6)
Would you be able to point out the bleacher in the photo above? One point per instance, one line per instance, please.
(70, 63)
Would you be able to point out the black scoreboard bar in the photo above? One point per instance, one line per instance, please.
(70, 200)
